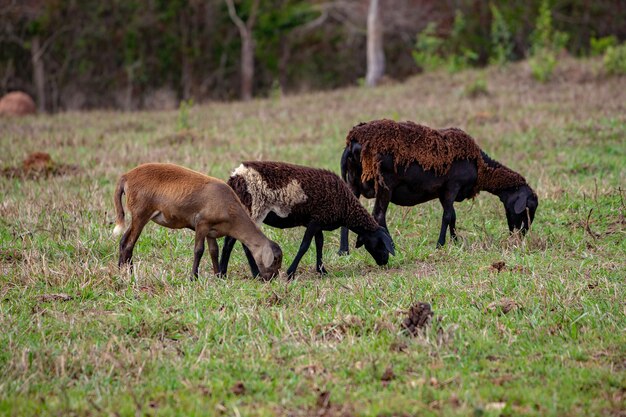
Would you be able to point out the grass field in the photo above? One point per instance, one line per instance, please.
(545, 335)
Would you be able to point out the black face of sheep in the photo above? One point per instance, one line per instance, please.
(378, 244)
(520, 205)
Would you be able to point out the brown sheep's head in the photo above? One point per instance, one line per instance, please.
(272, 259)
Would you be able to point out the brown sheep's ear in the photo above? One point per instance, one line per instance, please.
(520, 204)
(267, 256)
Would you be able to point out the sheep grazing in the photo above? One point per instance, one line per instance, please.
(284, 195)
(408, 164)
(17, 103)
(177, 197)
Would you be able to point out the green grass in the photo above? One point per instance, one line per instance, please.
(157, 344)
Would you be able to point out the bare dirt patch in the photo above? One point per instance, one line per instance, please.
(419, 318)
(10, 256)
(39, 165)
(501, 266)
(503, 306)
(387, 376)
(238, 389)
(44, 298)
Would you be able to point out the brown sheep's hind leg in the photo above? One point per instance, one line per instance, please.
(202, 231)
(127, 243)
(213, 251)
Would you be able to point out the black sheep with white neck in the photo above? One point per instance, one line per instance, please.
(284, 195)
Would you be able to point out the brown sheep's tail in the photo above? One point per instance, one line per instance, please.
(120, 224)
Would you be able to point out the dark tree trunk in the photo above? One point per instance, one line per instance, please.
(38, 73)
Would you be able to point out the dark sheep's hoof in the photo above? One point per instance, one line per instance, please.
(322, 271)
(343, 252)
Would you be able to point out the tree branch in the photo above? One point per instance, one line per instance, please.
(235, 18)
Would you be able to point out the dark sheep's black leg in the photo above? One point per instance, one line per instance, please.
(253, 266)
(445, 221)
(319, 245)
(447, 202)
(343, 242)
(311, 230)
(383, 196)
(229, 244)
(453, 225)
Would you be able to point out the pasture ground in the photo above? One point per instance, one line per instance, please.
(542, 334)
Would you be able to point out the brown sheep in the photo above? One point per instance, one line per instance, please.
(177, 197)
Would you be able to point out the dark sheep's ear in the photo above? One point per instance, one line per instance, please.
(386, 237)
(520, 204)
(389, 244)
(359, 242)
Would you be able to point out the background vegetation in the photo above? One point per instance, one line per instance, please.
(134, 54)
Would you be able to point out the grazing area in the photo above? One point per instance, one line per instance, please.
(493, 324)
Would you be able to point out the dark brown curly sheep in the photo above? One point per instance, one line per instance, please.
(408, 164)
(285, 195)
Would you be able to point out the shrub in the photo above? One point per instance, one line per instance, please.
(183, 115)
(427, 49)
(600, 45)
(546, 43)
(501, 44)
(432, 52)
(615, 60)
(476, 88)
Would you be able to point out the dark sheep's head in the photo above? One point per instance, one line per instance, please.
(378, 244)
(272, 259)
(520, 204)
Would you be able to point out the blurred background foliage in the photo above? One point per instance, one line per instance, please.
(134, 54)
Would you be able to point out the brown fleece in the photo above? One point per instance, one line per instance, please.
(329, 199)
(433, 149)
